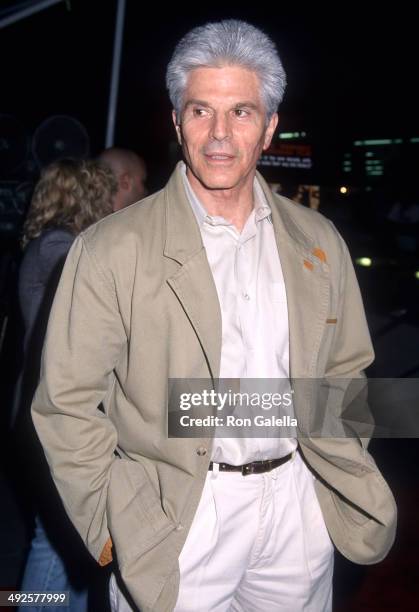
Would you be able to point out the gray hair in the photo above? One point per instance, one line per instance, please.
(229, 42)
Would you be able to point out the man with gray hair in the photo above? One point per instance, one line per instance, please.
(213, 277)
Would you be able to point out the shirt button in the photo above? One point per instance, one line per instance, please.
(246, 296)
(201, 451)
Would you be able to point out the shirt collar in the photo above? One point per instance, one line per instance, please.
(261, 209)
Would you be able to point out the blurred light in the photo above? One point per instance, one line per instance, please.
(289, 135)
(366, 262)
(417, 274)
(343, 190)
(376, 142)
(412, 140)
(380, 141)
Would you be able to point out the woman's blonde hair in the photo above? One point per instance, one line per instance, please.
(71, 194)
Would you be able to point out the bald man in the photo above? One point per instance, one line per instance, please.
(131, 173)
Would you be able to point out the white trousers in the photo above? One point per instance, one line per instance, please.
(258, 543)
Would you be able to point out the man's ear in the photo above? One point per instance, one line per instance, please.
(176, 123)
(125, 181)
(273, 122)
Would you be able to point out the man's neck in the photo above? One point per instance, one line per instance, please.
(234, 205)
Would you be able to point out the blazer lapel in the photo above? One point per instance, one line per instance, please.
(193, 283)
(306, 277)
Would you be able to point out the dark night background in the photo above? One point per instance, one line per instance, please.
(351, 76)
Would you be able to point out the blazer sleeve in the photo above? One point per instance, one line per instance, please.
(84, 340)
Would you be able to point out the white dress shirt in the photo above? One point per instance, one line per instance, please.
(255, 337)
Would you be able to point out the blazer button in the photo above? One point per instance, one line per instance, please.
(201, 451)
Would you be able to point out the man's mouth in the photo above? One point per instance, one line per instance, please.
(219, 156)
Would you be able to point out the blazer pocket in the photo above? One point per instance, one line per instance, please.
(136, 519)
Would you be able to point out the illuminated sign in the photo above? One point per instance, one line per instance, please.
(288, 155)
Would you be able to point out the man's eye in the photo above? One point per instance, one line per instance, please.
(199, 112)
(240, 112)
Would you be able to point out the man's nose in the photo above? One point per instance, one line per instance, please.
(220, 128)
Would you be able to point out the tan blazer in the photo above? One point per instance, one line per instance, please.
(137, 305)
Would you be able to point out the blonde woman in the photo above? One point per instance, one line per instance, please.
(70, 196)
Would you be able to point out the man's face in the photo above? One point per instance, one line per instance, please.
(223, 126)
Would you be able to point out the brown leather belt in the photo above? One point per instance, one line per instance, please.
(255, 467)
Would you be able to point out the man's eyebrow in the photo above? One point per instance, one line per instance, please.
(197, 102)
(244, 104)
(251, 105)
